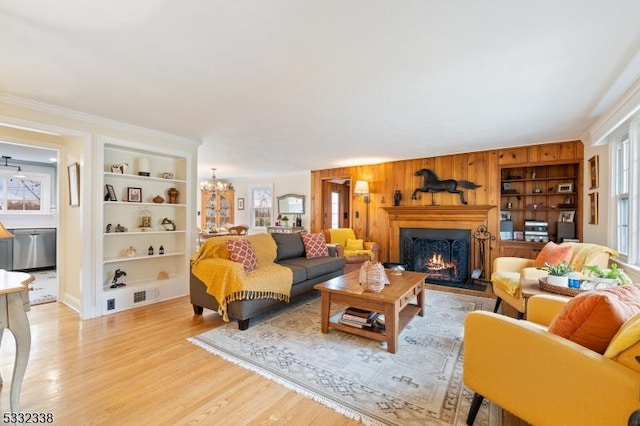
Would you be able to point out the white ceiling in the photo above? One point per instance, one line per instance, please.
(277, 86)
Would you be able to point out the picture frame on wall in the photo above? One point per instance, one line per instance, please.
(134, 195)
(240, 204)
(593, 208)
(594, 166)
(74, 184)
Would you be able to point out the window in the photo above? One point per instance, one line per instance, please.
(27, 194)
(335, 209)
(625, 143)
(261, 206)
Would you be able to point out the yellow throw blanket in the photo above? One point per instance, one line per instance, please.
(227, 281)
(583, 253)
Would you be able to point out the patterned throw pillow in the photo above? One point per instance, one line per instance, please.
(315, 246)
(242, 251)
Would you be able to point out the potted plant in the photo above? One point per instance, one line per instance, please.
(608, 276)
(285, 220)
(558, 274)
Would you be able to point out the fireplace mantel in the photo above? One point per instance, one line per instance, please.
(450, 213)
(461, 217)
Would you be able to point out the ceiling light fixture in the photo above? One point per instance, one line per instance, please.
(212, 186)
(18, 173)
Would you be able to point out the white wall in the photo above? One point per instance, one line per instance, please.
(596, 143)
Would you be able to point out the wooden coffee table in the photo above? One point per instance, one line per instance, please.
(393, 301)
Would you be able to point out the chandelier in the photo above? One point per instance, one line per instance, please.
(212, 186)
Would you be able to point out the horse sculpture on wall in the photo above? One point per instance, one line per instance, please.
(432, 184)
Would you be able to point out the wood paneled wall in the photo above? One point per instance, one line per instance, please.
(482, 168)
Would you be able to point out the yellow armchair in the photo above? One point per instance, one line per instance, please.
(542, 378)
(354, 251)
(509, 273)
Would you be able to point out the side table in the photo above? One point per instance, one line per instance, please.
(14, 304)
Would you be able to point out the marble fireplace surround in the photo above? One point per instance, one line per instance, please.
(440, 217)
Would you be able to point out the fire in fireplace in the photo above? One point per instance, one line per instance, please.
(444, 254)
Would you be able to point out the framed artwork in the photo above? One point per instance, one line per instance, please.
(74, 184)
(567, 216)
(134, 195)
(110, 193)
(593, 208)
(594, 166)
(240, 204)
(565, 187)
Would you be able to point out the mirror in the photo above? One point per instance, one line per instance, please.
(291, 204)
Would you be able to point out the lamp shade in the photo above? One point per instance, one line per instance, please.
(4, 234)
(362, 187)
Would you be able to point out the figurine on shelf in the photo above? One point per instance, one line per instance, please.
(114, 283)
(131, 251)
(397, 196)
(168, 224)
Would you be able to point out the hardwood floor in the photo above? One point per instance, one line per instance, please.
(136, 367)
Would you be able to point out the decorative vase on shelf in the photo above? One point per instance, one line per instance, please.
(173, 195)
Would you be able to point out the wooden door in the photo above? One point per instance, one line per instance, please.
(335, 203)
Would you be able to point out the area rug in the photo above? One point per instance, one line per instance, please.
(44, 288)
(419, 385)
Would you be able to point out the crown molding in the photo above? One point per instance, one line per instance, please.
(94, 119)
(621, 110)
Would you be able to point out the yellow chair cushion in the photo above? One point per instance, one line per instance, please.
(354, 244)
(627, 336)
(629, 357)
(509, 282)
(340, 235)
(355, 253)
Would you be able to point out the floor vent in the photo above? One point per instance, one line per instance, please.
(139, 296)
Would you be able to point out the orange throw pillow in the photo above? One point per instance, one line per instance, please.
(591, 319)
(553, 254)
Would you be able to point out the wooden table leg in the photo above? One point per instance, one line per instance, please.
(324, 311)
(19, 326)
(392, 322)
(420, 298)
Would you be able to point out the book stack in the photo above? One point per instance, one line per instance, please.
(360, 318)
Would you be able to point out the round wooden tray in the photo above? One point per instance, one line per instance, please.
(565, 291)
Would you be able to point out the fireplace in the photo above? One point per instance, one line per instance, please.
(444, 254)
(466, 218)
